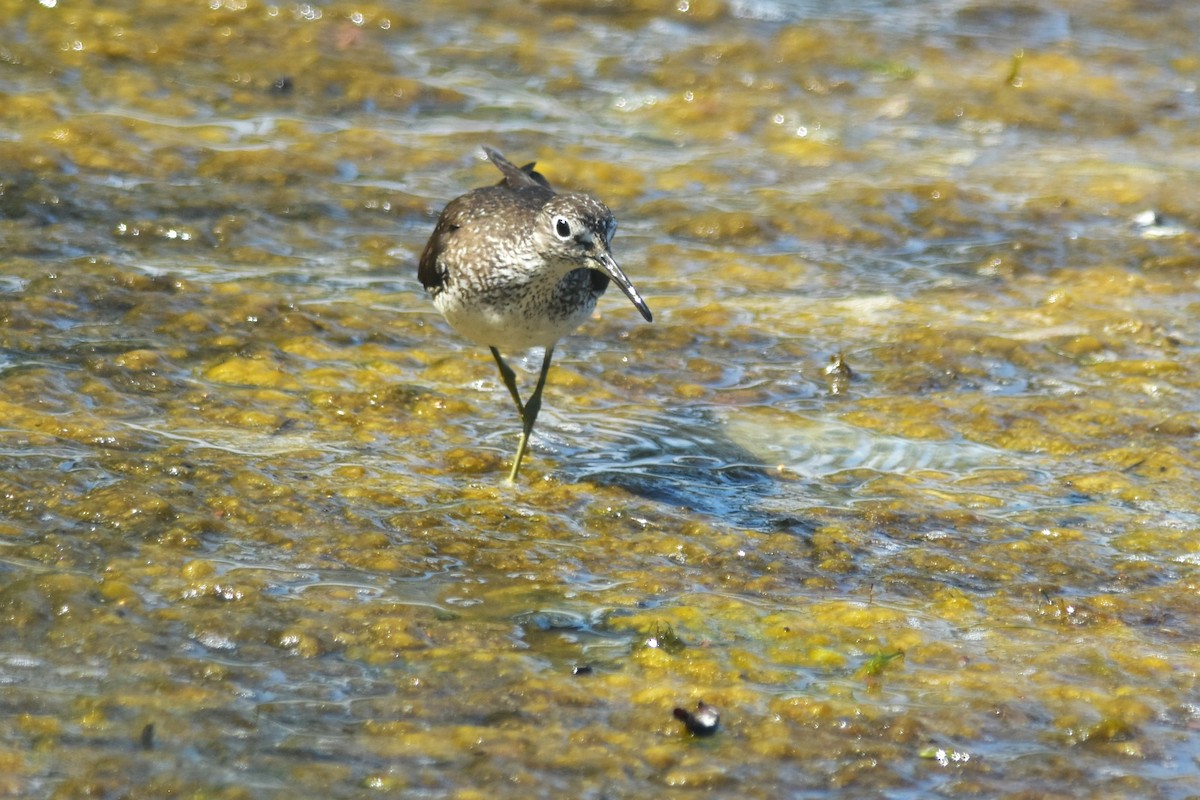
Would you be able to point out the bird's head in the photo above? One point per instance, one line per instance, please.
(576, 230)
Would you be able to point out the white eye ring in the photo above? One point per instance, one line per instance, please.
(562, 228)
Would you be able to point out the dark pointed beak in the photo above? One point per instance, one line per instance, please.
(609, 266)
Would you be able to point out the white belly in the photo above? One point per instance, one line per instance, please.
(509, 326)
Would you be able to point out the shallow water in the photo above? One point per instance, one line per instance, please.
(254, 535)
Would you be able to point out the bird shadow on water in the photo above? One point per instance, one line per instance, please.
(761, 469)
(685, 461)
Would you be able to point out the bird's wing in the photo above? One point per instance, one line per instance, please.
(428, 272)
(516, 177)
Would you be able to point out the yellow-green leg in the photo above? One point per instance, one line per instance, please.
(529, 411)
(510, 380)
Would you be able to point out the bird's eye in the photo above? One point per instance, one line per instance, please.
(562, 227)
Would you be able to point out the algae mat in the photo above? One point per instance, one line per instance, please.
(901, 480)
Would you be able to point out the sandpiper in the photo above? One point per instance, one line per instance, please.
(518, 265)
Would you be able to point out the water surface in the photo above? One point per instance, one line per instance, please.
(254, 535)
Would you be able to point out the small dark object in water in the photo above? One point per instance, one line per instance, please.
(148, 736)
(581, 669)
(838, 374)
(703, 722)
(283, 85)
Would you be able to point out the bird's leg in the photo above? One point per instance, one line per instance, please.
(510, 380)
(529, 413)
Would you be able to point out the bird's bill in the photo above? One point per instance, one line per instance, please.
(609, 265)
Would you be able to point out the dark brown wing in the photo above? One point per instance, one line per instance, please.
(428, 272)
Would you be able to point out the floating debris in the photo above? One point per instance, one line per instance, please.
(664, 638)
(838, 374)
(872, 670)
(876, 664)
(704, 721)
(1152, 225)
